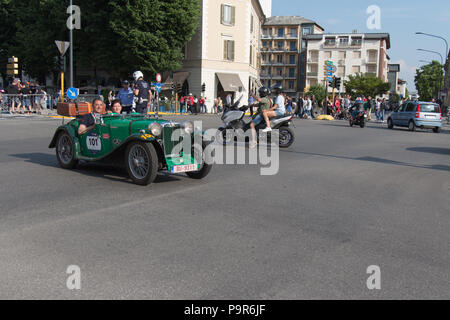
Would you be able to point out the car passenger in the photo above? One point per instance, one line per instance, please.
(87, 122)
(116, 107)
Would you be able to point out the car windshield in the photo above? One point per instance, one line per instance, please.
(429, 108)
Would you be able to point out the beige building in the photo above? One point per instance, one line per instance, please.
(224, 52)
(351, 53)
(283, 52)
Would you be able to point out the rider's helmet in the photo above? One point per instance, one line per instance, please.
(263, 92)
(277, 89)
(137, 75)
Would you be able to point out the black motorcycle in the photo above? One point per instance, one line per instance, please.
(233, 119)
(357, 115)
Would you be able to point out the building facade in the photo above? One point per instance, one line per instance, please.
(224, 52)
(351, 53)
(283, 51)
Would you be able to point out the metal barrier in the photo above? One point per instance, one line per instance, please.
(28, 103)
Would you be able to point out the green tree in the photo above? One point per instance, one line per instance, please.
(152, 33)
(7, 32)
(366, 84)
(318, 91)
(429, 80)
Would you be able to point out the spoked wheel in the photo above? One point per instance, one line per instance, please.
(65, 151)
(287, 137)
(141, 162)
(205, 163)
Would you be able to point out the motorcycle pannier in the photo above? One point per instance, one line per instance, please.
(71, 109)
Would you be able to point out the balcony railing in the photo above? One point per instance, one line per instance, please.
(371, 61)
(313, 60)
(312, 74)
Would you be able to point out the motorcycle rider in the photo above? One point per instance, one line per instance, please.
(278, 108)
(142, 92)
(265, 104)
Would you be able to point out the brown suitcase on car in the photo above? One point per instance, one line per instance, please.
(72, 109)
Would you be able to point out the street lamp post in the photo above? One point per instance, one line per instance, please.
(435, 36)
(442, 59)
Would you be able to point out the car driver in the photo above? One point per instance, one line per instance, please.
(87, 123)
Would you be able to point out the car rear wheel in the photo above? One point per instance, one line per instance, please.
(65, 151)
(412, 126)
(141, 161)
(437, 130)
(390, 124)
(205, 163)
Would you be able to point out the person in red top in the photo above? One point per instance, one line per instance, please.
(201, 102)
(187, 100)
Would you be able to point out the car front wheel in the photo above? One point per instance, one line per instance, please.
(141, 161)
(205, 163)
(65, 151)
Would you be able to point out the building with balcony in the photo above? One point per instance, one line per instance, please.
(283, 51)
(224, 52)
(351, 54)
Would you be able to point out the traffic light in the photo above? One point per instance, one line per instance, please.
(12, 68)
(61, 63)
(173, 86)
(337, 84)
(331, 83)
(203, 87)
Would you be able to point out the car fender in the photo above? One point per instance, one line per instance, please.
(64, 128)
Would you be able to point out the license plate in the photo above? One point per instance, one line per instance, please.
(184, 168)
(430, 116)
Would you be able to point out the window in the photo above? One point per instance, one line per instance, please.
(306, 31)
(356, 69)
(291, 72)
(341, 71)
(228, 50)
(327, 55)
(341, 55)
(251, 55)
(279, 58)
(429, 108)
(251, 24)
(372, 69)
(291, 85)
(292, 45)
(279, 72)
(356, 41)
(343, 41)
(228, 14)
(280, 44)
(291, 59)
(265, 31)
(293, 32)
(411, 107)
(280, 32)
(330, 41)
(356, 54)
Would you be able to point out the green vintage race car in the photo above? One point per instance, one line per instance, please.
(144, 145)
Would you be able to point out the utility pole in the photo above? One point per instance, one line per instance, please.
(71, 52)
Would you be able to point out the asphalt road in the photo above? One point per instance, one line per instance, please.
(344, 199)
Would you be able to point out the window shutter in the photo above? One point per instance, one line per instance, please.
(222, 14)
(225, 50)
(232, 50)
(233, 15)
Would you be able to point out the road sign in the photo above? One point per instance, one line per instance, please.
(62, 46)
(158, 77)
(329, 63)
(333, 69)
(158, 87)
(330, 74)
(72, 93)
(329, 79)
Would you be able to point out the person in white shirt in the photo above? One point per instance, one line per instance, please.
(278, 108)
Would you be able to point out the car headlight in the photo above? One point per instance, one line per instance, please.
(155, 129)
(188, 127)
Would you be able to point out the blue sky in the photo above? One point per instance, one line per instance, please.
(400, 18)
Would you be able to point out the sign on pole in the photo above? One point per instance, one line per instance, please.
(72, 93)
(62, 46)
(158, 77)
